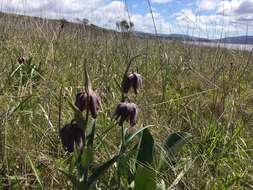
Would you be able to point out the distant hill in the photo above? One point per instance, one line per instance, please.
(187, 37)
(179, 37)
(12, 22)
(237, 40)
(183, 37)
(21, 22)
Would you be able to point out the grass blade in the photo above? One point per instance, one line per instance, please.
(35, 172)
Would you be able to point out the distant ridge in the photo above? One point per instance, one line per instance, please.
(179, 37)
(237, 40)
(183, 37)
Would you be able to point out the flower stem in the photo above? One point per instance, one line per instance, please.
(122, 140)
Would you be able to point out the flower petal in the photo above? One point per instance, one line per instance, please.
(133, 115)
(71, 135)
(93, 106)
(81, 101)
(137, 82)
(127, 83)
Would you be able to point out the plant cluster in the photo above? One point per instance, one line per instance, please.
(204, 91)
(77, 141)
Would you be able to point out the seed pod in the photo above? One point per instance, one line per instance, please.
(126, 111)
(70, 135)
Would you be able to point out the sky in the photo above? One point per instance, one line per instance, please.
(202, 18)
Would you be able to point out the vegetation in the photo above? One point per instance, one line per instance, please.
(124, 26)
(194, 128)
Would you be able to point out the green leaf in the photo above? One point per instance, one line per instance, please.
(145, 178)
(87, 155)
(73, 161)
(76, 183)
(35, 172)
(172, 145)
(86, 159)
(101, 170)
(146, 148)
(130, 138)
(126, 165)
(174, 142)
(90, 136)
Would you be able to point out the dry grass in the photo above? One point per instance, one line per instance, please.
(204, 91)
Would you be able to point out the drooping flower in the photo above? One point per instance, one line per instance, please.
(21, 60)
(88, 101)
(72, 135)
(81, 101)
(126, 111)
(132, 80)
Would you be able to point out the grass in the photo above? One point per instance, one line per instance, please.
(204, 91)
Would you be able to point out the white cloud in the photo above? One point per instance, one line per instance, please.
(100, 12)
(109, 14)
(215, 24)
(185, 15)
(235, 7)
(207, 5)
(161, 1)
(47, 8)
(218, 14)
(145, 23)
(245, 7)
(241, 10)
(237, 10)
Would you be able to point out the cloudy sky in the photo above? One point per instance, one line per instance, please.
(205, 18)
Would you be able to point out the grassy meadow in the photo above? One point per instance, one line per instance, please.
(204, 92)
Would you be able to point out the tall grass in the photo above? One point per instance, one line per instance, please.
(204, 91)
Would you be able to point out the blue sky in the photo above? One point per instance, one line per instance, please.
(204, 18)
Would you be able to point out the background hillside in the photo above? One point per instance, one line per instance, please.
(17, 21)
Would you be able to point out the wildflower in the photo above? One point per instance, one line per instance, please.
(126, 111)
(62, 23)
(81, 101)
(70, 135)
(132, 80)
(21, 60)
(62, 26)
(88, 101)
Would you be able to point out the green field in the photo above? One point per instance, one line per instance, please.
(203, 93)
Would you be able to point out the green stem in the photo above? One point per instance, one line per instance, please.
(122, 140)
(85, 173)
